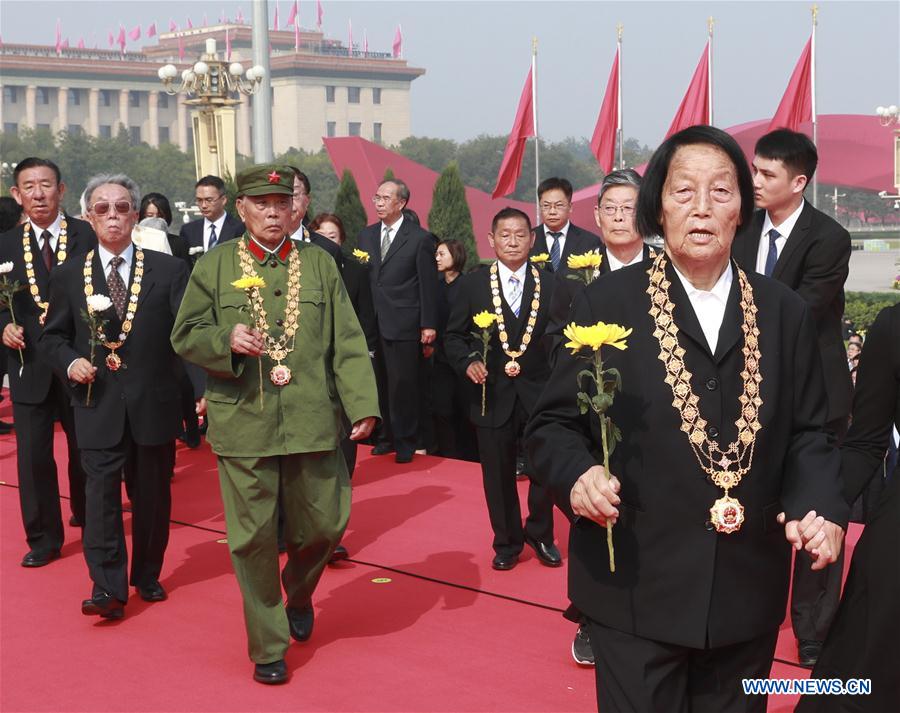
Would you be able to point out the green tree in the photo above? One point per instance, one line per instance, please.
(433, 153)
(349, 208)
(388, 175)
(450, 216)
(322, 179)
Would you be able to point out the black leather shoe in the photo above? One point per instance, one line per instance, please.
(504, 562)
(153, 593)
(808, 652)
(103, 604)
(192, 439)
(404, 458)
(75, 522)
(382, 449)
(6, 427)
(340, 553)
(37, 558)
(270, 673)
(546, 552)
(301, 622)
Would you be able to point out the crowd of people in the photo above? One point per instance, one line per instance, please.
(730, 467)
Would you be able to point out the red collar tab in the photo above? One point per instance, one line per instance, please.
(261, 254)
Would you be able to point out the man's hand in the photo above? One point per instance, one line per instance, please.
(200, 408)
(428, 336)
(595, 496)
(81, 371)
(362, 429)
(427, 351)
(14, 336)
(819, 537)
(477, 372)
(246, 341)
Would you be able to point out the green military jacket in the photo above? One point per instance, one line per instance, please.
(330, 365)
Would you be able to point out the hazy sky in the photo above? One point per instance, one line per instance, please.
(477, 53)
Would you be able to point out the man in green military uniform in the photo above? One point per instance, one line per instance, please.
(270, 321)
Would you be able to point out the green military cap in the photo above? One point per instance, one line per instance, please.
(265, 178)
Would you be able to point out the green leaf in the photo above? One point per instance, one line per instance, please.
(601, 402)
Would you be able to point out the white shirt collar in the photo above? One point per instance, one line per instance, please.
(787, 226)
(105, 256)
(709, 306)
(563, 230)
(614, 263)
(504, 272)
(218, 223)
(264, 248)
(54, 229)
(299, 235)
(394, 227)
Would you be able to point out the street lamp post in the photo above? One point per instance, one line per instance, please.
(212, 82)
(6, 169)
(890, 116)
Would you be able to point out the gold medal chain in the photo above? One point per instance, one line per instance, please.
(497, 301)
(29, 262)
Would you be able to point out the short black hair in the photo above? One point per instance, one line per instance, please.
(35, 162)
(554, 183)
(213, 182)
(509, 212)
(649, 203)
(457, 253)
(302, 177)
(161, 203)
(10, 213)
(795, 150)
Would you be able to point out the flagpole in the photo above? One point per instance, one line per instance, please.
(812, 81)
(537, 164)
(619, 131)
(709, 65)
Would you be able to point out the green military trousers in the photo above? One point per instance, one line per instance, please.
(315, 493)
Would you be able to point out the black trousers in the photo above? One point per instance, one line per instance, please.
(453, 430)
(38, 484)
(635, 674)
(104, 534)
(398, 362)
(497, 447)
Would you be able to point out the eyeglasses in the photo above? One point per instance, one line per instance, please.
(122, 207)
(382, 199)
(611, 209)
(204, 201)
(558, 207)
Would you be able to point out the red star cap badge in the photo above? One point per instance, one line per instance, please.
(274, 177)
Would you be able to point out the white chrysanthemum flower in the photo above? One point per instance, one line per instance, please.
(195, 250)
(5, 267)
(98, 303)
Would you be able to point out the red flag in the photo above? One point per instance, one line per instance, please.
(181, 48)
(603, 142)
(350, 39)
(239, 19)
(190, 24)
(227, 46)
(81, 43)
(523, 127)
(365, 42)
(796, 104)
(135, 34)
(58, 37)
(112, 39)
(275, 23)
(65, 43)
(151, 31)
(397, 49)
(172, 26)
(293, 16)
(205, 22)
(319, 14)
(297, 34)
(694, 108)
(122, 38)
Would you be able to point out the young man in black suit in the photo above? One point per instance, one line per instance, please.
(557, 236)
(127, 401)
(808, 251)
(517, 368)
(216, 226)
(403, 276)
(37, 249)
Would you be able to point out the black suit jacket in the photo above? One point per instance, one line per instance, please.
(814, 263)
(404, 284)
(676, 579)
(193, 232)
(578, 241)
(462, 347)
(330, 247)
(145, 393)
(33, 385)
(356, 280)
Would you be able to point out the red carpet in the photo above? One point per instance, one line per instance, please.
(445, 633)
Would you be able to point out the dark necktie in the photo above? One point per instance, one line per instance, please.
(116, 286)
(47, 250)
(385, 241)
(772, 257)
(213, 238)
(554, 250)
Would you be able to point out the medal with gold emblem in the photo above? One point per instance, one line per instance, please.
(113, 360)
(33, 288)
(513, 368)
(276, 349)
(724, 468)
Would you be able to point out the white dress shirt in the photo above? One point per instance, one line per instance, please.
(393, 228)
(562, 238)
(784, 230)
(614, 263)
(503, 273)
(54, 229)
(709, 306)
(219, 223)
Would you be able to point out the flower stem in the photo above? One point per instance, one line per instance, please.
(12, 316)
(87, 401)
(598, 375)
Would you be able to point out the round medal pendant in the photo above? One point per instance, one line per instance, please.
(113, 361)
(512, 368)
(280, 375)
(727, 515)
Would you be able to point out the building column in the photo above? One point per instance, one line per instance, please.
(153, 107)
(62, 108)
(30, 100)
(182, 120)
(1, 107)
(123, 108)
(94, 112)
(243, 128)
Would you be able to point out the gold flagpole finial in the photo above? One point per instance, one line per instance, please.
(619, 29)
(815, 14)
(709, 24)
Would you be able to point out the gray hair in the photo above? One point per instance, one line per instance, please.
(402, 188)
(117, 179)
(155, 222)
(622, 177)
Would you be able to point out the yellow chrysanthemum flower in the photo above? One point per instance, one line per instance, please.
(485, 319)
(248, 283)
(595, 336)
(540, 258)
(584, 261)
(361, 255)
